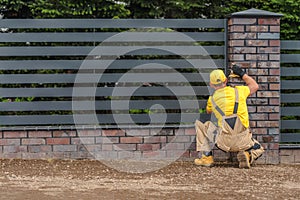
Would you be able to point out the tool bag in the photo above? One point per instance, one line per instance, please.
(232, 136)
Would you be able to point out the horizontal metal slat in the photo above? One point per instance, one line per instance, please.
(100, 105)
(290, 137)
(102, 119)
(105, 91)
(111, 50)
(102, 36)
(110, 64)
(112, 23)
(290, 124)
(290, 58)
(290, 44)
(290, 84)
(104, 78)
(290, 71)
(290, 111)
(290, 98)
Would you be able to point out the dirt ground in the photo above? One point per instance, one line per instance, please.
(87, 179)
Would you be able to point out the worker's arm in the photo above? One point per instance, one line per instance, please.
(251, 83)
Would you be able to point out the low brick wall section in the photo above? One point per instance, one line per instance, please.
(119, 144)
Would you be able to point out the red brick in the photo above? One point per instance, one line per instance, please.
(235, 36)
(255, 116)
(130, 140)
(14, 134)
(39, 148)
(107, 147)
(258, 71)
(274, 71)
(269, 21)
(88, 133)
(243, 21)
(274, 43)
(107, 140)
(33, 141)
(82, 140)
(274, 116)
(177, 138)
(125, 147)
(58, 141)
(274, 57)
(138, 132)
(268, 94)
(173, 146)
(268, 124)
(266, 109)
(268, 49)
(267, 138)
(65, 133)
(240, 50)
(275, 86)
(274, 29)
(14, 149)
(34, 155)
(259, 131)
(4, 142)
(257, 28)
(113, 132)
(256, 57)
(274, 146)
(39, 134)
(257, 43)
(155, 155)
(237, 57)
(155, 139)
(274, 101)
(237, 28)
(236, 43)
(148, 147)
(64, 148)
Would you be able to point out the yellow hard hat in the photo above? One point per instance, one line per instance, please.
(217, 76)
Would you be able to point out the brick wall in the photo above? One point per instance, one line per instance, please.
(254, 43)
(121, 144)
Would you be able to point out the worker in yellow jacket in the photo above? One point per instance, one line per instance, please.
(232, 133)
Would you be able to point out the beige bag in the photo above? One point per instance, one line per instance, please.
(233, 136)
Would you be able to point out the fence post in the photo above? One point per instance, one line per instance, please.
(254, 43)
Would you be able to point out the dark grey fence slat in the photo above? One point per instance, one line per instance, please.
(102, 36)
(290, 98)
(108, 77)
(102, 92)
(290, 44)
(290, 111)
(112, 23)
(102, 119)
(290, 71)
(289, 137)
(290, 84)
(116, 64)
(290, 58)
(99, 105)
(110, 50)
(290, 124)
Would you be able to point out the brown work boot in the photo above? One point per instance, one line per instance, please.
(244, 159)
(206, 161)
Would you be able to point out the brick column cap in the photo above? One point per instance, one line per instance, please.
(254, 13)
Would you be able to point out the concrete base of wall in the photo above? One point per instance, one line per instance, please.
(289, 156)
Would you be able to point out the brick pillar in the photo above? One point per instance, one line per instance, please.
(254, 43)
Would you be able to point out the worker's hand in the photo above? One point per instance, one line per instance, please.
(238, 71)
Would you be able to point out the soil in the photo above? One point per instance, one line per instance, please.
(91, 179)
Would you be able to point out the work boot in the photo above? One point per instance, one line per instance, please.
(206, 161)
(244, 159)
